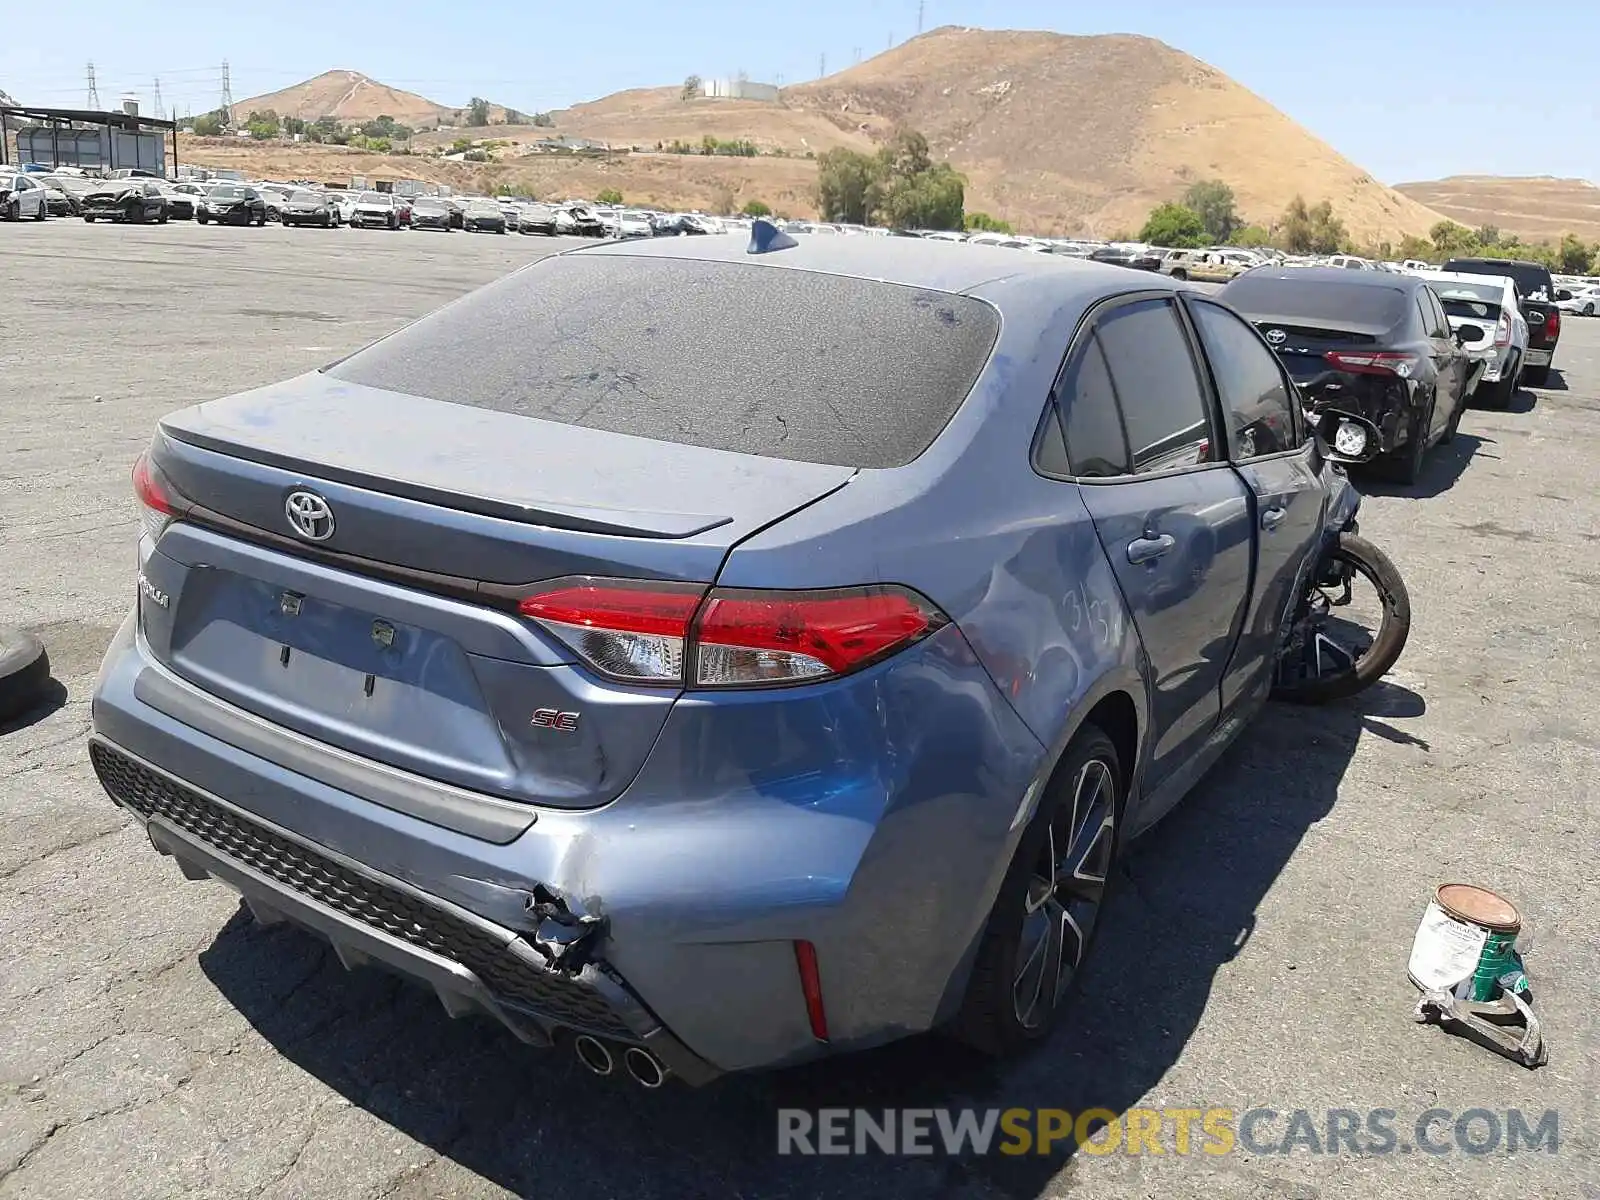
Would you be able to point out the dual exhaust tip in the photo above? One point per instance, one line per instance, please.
(642, 1066)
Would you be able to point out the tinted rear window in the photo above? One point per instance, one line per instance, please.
(1317, 300)
(1533, 281)
(759, 360)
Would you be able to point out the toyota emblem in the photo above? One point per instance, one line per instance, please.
(1277, 336)
(309, 516)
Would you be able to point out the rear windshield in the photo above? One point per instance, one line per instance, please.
(306, 198)
(1481, 310)
(1533, 281)
(374, 198)
(227, 193)
(1316, 300)
(730, 356)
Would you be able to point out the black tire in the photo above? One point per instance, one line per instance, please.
(988, 1019)
(41, 212)
(1386, 648)
(14, 210)
(1588, 309)
(1537, 376)
(1498, 395)
(1453, 424)
(201, 217)
(88, 218)
(1406, 464)
(1180, 275)
(24, 671)
(161, 218)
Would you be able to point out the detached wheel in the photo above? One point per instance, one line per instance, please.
(1045, 918)
(24, 671)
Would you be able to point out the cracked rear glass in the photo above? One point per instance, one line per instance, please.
(755, 359)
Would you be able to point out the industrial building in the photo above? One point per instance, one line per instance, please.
(95, 141)
(740, 88)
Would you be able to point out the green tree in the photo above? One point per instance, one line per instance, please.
(709, 144)
(1574, 257)
(906, 155)
(207, 125)
(1213, 201)
(513, 117)
(1313, 230)
(263, 124)
(1488, 235)
(982, 222)
(847, 185)
(609, 196)
(755, 208)
(543, 120)
(1251, 237)
(460, 145)
(691, 87)
(1173, 225)
(293, 125)
(1413, 247)
(477, 112)
(932, 198)
(1450, 238)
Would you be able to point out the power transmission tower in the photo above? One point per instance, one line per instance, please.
(94, 93)
(160, 115)
(858, 56)
(227, 95)
(890, 45)
(922, 6)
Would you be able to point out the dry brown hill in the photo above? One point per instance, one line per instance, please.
(1537, 209)
(1057, 134)
(351, 98)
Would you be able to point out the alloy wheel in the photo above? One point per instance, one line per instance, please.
(1064, 895)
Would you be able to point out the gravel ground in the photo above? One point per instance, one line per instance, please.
(157, 1044)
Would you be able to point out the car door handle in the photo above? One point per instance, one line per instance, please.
(1272, 518)
(1148, 549)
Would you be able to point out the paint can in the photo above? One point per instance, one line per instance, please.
(1466, 944)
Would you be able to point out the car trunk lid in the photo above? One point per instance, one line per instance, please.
(397, 636)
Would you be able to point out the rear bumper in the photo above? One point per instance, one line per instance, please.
(871, 818)
(1540, 356)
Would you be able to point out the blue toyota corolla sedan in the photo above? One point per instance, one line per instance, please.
(711, 656)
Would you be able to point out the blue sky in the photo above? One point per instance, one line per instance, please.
(1408, 89)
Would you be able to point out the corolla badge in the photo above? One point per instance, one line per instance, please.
(309, 516)
(1277, 336)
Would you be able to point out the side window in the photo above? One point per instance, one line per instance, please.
(1255, 400)
(1427, 317)
(1096, 444)
(1153, 370)
(1441, 316)
(1436, 323)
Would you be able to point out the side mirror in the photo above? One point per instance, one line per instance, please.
(1349, 438)
(1470, 335)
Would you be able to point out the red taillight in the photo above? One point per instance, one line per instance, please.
(159, 502)
(632, 631)
(666, 634)
(805, 958)
(1373, 362)
(745, 638)
(151, 487)
(1552, 322)
(1502, 331)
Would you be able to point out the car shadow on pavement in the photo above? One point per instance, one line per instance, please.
(1523, 400)
(50, 698)
(1440, 470)
(536, 1123)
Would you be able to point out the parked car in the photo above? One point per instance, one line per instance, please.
(1203, 266)
(232, 204)
(130, 199)
(180, 205)
(861, 777)
(59, 199)
(633, 224)
(375, 210)
(1138, 258)
(275, 196)
(579, 220)
(538, 218)
(1575, 302)
(1537, 294)
(428, 212)
(483, 216)
(21, 195)
(458, 211)
(306, 207)
(1491, 302)
(511, 211)
(346, 204)
(1372, 343)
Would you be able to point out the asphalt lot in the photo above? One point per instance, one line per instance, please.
(154, 1043)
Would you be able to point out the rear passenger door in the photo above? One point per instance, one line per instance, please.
(1449, 361)
(1172, 516)
(1268, 446)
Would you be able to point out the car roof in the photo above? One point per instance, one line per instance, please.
(1511, 262)
(910, 262)
(1465, 277)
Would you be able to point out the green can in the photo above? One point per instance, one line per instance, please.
(1499, 918)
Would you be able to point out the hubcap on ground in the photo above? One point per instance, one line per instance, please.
(1064, 895)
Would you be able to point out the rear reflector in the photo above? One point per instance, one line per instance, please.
(805, 957)
(644, 632)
